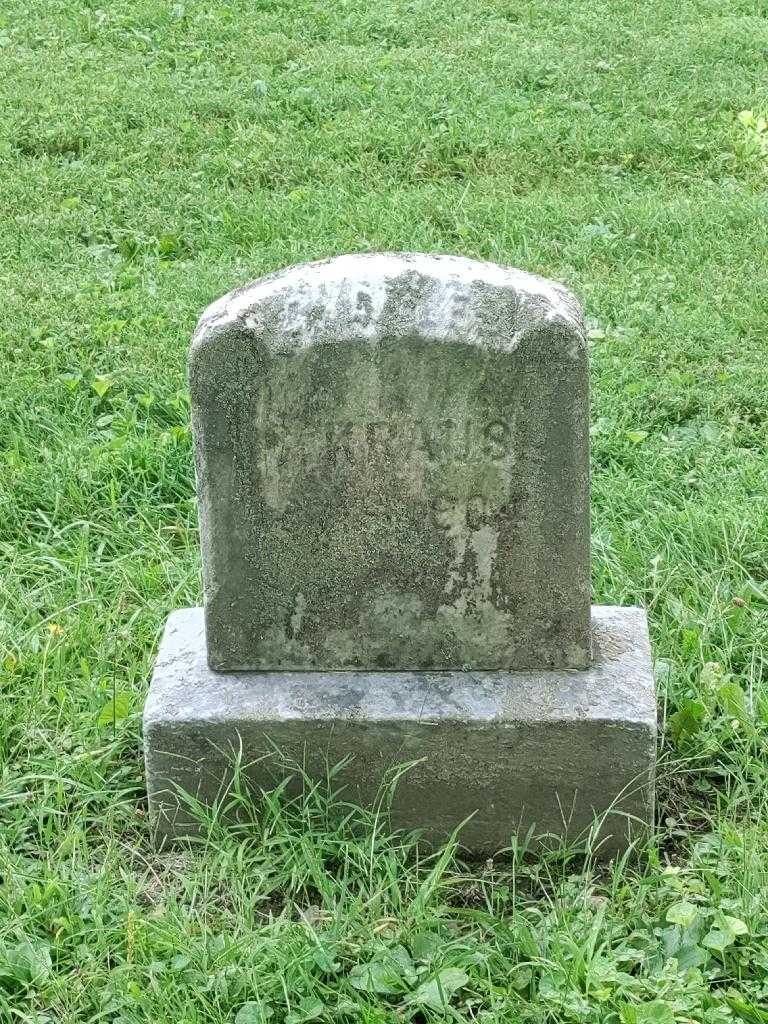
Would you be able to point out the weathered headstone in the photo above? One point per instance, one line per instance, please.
(392, 456)
(392, 461)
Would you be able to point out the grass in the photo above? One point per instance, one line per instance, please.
(154, 155)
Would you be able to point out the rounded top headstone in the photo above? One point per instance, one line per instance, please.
(392, 458)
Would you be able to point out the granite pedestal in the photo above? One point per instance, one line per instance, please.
(544, 750)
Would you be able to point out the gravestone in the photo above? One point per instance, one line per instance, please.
(392, 459)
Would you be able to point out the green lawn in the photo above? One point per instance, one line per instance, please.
(154, 155)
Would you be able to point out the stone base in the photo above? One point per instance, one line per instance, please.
(510, 751)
